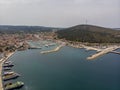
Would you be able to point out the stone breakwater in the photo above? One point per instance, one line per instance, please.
(102, 52)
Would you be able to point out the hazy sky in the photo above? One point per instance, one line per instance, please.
(60, 13)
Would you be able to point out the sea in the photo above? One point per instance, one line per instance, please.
(67, 69)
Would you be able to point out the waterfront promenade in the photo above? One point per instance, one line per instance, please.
(1, 62)
(102, 52)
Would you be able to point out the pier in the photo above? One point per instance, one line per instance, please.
(104, 51)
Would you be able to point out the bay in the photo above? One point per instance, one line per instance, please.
(66, 69)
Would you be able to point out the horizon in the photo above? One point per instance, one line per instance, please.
(59, 27)
(60, 13)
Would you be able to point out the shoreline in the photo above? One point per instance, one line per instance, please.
(2, 60)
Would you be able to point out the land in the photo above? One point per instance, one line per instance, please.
(12, 42)
(80, 36)
(10, 29)
(90, 34)
(103, 40)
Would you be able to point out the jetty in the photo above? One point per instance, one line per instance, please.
(102, 52)
(2, 60)
(54, 50)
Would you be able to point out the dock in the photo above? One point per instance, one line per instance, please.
(102, 52)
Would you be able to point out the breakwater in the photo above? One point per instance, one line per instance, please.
(54, 50)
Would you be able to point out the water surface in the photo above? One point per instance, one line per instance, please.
(67, 69)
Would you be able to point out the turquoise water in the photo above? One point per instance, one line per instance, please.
(67, 69)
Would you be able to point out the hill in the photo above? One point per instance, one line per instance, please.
(90, 33)
(24, 29)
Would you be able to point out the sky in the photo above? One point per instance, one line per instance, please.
(60, 13)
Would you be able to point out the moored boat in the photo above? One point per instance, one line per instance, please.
(6, 68)
(9, 77)
(8, 73)
(7, 62)
(12, 86)
(8, 65)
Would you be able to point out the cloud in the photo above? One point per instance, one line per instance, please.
(59, 12)
(18, 1)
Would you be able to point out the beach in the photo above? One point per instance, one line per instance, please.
(1, 62)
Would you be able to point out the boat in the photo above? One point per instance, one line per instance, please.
(7, 62)
(8, 73)
(12, 86)
(9, 77)
(6, 68)
(8, 65)
(46, 45)
(52, 44)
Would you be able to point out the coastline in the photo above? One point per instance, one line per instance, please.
(1, 63)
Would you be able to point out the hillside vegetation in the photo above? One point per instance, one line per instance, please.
(24, 29)
(90, 33)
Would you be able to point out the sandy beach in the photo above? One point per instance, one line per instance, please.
(1, 62)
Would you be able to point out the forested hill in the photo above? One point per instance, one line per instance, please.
(90, 33)
(24, 29)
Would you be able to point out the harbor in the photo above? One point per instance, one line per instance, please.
(55, 70)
